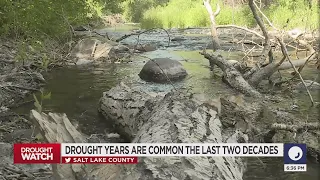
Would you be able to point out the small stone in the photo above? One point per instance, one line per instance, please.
(178, 39)
(120, 48)
(294, 107)
(81, 28)
(146, 47)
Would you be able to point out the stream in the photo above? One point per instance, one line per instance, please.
(76, 91)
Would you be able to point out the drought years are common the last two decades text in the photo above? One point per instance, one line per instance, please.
(128, 153)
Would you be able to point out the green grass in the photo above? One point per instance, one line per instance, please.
(193, 14)
(190, 13)
(299, 15)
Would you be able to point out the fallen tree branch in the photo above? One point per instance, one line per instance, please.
(32, 75)
(242, 28)
(311, 56)
(7, 61)
(265, 72)
(19, 171)
(295, 128)
(19, 87)
(267, 45)
(138, 34)
(269, 22)
(57, 128)
(285, 52)
(231, 74)
(296, 63)
(306, 62)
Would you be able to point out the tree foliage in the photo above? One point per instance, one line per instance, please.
(47, 17)
(134, 9)
(286, 14)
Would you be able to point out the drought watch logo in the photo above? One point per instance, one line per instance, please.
(36, 153)
(295, 157)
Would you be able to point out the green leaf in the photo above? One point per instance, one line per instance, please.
(38, 107)
(37, 104)
(47, 96)
(39, 136)
(35, 99)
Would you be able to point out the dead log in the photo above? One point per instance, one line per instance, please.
(265, 124)
(295, 128)
(265, 72)
(55, 128)
(296, 63)
(246, 82)
(178, 117)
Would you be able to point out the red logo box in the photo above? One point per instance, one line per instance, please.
(36, 153)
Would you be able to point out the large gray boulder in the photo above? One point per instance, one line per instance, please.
(161, 69)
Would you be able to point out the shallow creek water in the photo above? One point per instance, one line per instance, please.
(77, 90)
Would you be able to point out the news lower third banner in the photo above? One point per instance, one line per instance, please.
(127, 153)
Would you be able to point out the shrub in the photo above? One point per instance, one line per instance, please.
(192, 13)
(48, 18)
(296, 12)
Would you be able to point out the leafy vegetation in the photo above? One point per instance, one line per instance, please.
(38, 102)
(193, 14)
(133, 10)
(43, 28)
(43, 18)
(297, 13)
(286, 14)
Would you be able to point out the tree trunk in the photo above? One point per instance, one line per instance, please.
(215, 38)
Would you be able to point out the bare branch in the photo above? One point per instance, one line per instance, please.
(295, 128)
(217, 11)
(231, 75)
(7, 61)
(269, 22)
(258, 20)
(267, 46)
(285, 52)
(242, 28)
(19, 87)
(138, 34)
(214, 34)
